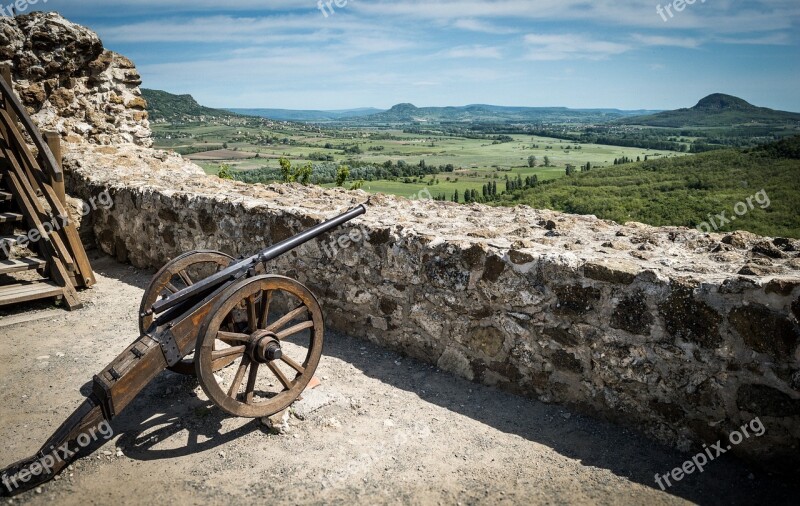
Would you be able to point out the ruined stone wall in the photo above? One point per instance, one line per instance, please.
(681, 335)
(70, 84)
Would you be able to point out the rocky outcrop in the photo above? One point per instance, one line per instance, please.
(651, 327)
(70, 84)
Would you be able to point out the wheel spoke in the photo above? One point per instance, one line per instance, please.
(186, 279)
(252, 316)
(171, 288)
(294, 330)
(228, 352)
(227, 337)
(288, 317)
(237, 380)
(294, 365)
(251, 384)
(265, 309)
(281, 377)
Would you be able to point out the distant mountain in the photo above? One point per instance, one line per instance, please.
(716, 110)
(164, 106)
(309, 116)
(482, 113)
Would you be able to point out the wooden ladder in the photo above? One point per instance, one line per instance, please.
(36, 233)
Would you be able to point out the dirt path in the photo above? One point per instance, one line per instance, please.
(380, 429)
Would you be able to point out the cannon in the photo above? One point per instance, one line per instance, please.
(203, 312)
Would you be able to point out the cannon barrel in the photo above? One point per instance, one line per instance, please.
(240, 268)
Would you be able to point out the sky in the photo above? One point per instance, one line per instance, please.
(306, 54)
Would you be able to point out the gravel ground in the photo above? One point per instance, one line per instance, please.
(381, 428)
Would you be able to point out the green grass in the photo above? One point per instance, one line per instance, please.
(477, 161)
(685, 191)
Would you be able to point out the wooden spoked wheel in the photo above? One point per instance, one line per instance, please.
(179, 273)
(273, 326)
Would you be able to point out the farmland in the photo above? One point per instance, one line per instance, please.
(466, 163)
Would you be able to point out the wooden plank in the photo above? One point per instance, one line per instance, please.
(13, 294)
(10, 217)
(53, 140)
(5, 196)
(58, 272)
(36, 215)
(76, 250)
(21, 264)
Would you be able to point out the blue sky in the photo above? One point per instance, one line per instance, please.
(376, 53)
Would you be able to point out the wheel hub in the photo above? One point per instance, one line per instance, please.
(264, 347)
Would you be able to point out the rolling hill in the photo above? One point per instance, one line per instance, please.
(167, 107)
(309, 115)
(482, 113)
(716, 110)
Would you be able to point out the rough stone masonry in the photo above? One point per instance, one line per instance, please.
(682, 335)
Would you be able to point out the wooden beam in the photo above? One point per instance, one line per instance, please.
(53, 140)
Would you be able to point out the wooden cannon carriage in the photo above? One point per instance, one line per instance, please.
(201, 313)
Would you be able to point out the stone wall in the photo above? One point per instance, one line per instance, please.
(681, 335)
(70, 84)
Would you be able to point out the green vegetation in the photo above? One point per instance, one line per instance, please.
(717, 110)
(164, 106)
(614, 169)
(684, 191)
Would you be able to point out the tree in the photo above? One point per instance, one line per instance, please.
(286, 170)
(304, 174)
(531, 161)
(342, 173)
(455, 196)
(546, 161)
(225, 172)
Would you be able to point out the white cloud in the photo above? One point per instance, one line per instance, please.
(472, 52)
(570, 46)
(661, 40)
(475, 25)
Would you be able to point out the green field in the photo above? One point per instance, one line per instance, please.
(475, 161)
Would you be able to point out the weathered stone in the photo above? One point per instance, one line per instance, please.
(575, 299)
(762, 400)
(494, 268)
(456, 362)
(782, 286)
(563, 360)
(753, 269)
(561, 336)
(690, 319)
(65, 77)
(768, 249)
(633, 315)
(765, 330)
(486, 340)
(740, 239)
(612, 271)
(520, 257)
